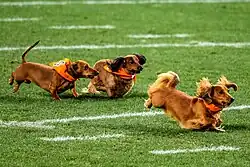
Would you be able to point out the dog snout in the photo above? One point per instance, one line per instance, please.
(139, 68)
(232, 100)
(95, 73)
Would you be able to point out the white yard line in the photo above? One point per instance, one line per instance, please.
(67, 138)
(96, 2)
(219, 148)
(18, 19)
(91, 118)
(114, 46)
(153, 36)
(25, 124)
(42, 123)
(82, 27)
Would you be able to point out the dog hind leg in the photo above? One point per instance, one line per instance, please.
(11, 79)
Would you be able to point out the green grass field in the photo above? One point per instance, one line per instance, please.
(210, 22)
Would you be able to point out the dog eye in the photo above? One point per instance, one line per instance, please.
(85, 67)
(221, 92)
(131, 62)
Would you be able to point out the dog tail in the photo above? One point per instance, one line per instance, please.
(169, 79)
(25, 53)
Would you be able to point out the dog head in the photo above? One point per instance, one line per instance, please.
(132, 64)
(81, 69)
(217, 94)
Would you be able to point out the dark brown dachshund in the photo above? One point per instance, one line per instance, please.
(52, 79)
(201, 112)
(116, 77)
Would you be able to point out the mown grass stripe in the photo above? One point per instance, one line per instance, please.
(153, 36)
(219, 148)
(114, 46)
(96, 2)
(82, 27)
(18, 19)
(42, 123)
(86, 138)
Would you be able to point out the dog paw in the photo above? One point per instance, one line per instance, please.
(75, 94)
(219, 129)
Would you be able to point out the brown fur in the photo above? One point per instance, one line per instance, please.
(47, 78)
(190, 112)
(114, 85)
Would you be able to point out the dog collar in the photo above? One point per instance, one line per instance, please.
(61, 68)
(121, 73)
(212, 107)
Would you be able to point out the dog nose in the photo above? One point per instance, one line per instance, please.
(232, 100)
(139, 68)
(96, 73)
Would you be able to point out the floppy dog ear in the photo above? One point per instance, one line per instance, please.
(211, 92)
(74, 66)
(223, 81)
(142, 58)
(116, 64)
(232, 85)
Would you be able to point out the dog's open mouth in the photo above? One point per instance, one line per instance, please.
(90, 76)
(132, 72)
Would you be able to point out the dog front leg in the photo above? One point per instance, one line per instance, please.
(148, 103)
(92, 88)
(53, 92)
(74, 92)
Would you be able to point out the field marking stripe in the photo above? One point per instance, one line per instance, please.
(123, 115)
(25, 124)
(40, 124)
(90, 118)
(82, 27)
(114, 46)
(18, 19)
(95, 2)
(219, 148)
(67, 138)
(148, 36)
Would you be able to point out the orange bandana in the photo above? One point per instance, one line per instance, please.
(61, 68)
(121, 73)
(212, 107)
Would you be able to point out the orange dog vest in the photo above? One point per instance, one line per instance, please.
(121, 73)
(212, 107)
(61, 68)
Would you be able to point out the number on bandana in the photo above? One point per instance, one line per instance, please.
(59, 63)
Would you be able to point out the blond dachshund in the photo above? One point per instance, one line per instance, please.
(201, 112)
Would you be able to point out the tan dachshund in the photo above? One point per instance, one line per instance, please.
(201, 112)
(116, 77)
(49, 78)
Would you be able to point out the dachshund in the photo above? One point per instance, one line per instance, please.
(116, 77)
(55, 79)
(201, 112)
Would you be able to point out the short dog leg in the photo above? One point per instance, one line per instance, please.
(148, 103)
(75, 94)
(53, 92)
(110, 92)
(92, 89)
(17, 85)
(27, 81)
(11, 80)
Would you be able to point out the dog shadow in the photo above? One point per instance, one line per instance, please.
(237, 127)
